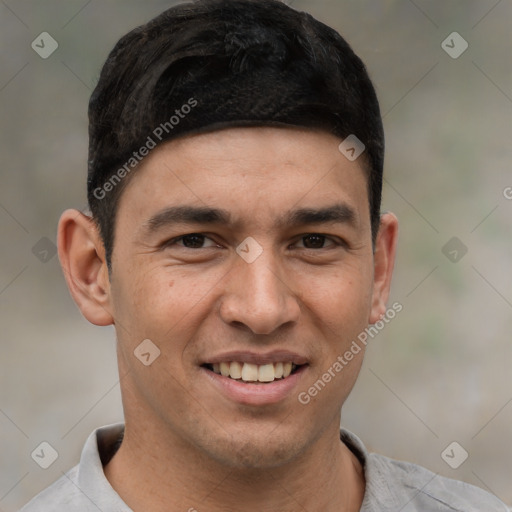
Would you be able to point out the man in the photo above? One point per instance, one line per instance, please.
(236, 244)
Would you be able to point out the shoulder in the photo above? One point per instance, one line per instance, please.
(63, 494)
(393, 485)
(412, 488)
(84, 488)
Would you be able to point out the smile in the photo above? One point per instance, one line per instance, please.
(249, 372)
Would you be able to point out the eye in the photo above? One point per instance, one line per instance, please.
(317, 241)
(191, 241)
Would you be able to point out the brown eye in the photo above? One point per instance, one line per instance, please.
(313, 241)
(193, 241)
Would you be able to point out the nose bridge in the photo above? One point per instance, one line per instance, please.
(263, 277)
(257, 295)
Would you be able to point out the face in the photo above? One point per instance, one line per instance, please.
(242, 254)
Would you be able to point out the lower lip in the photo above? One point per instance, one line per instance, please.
(256, 394)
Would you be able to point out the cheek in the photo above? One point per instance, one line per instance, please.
(163, 303)
(340, 296)
(140, 298)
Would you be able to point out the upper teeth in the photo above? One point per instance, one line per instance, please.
(249, 372)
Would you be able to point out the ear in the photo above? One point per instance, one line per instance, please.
(82, 257)
(384, 261)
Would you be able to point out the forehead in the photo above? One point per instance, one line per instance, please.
(259, 171)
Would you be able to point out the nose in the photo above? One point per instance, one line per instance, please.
(259, 296)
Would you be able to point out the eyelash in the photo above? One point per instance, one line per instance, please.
(335, 243)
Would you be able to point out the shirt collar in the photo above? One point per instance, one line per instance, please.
(91, 477)
(102, 444)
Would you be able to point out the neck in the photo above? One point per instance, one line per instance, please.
(166, 475)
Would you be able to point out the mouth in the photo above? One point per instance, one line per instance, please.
(254, 373)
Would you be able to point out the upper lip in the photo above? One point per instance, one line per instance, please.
(275, 356)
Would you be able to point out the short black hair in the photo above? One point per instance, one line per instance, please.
(209, 64)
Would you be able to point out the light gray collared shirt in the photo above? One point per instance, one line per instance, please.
(391, 485)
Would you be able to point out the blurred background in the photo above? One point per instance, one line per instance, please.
(438, 373)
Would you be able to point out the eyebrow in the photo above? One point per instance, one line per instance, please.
(340, 213)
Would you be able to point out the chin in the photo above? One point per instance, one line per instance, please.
(254, 456)
(258, 451)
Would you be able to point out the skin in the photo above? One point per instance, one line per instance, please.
(187, 445)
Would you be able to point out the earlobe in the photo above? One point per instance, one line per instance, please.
(384, 261)
(82, 258)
